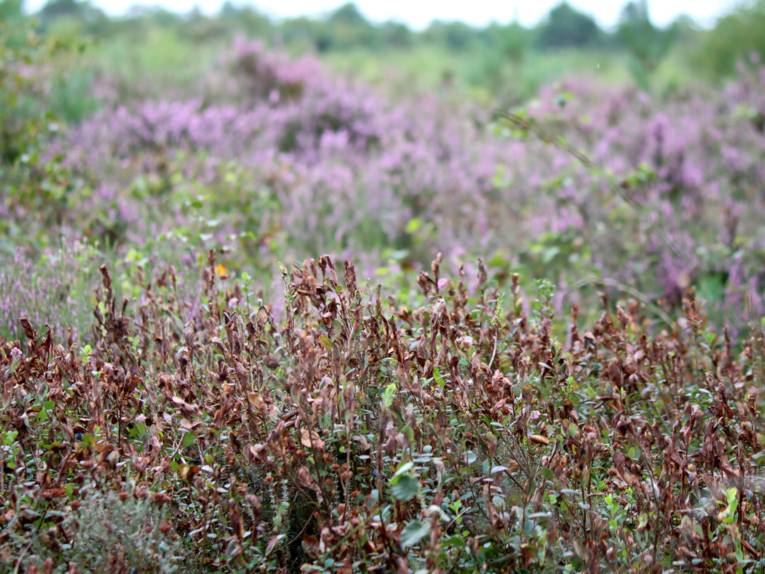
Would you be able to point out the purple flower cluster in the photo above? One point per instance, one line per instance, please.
(353, 173)
(52, 288)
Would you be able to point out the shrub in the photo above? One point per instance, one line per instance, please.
(454, 429)
(608, 184)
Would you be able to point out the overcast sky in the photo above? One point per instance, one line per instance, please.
(419, 13)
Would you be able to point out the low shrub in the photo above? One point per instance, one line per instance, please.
(463, 429)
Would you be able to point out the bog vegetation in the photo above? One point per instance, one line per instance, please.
(260, 314)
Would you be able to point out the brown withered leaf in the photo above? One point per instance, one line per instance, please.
(310, 439)
(255, 451)
(273, 542)
(50, 493)
(256, 401)
(539, 439)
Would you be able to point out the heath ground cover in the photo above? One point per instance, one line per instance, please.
(276, 319)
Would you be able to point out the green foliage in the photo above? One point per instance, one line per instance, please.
(404, 484)
(567, 27)
(388, 395)
(106, 526)
(491, 60)
(11, 11)
(735, 38)
(41, 88)
(22, 118)
(414, 532)
(646, 44)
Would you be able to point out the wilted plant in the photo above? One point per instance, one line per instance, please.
(452, 433)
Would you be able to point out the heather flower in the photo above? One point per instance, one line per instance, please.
(50, 288)
(333, 166)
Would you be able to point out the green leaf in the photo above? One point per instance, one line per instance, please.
(188, 439)
(389, 394)
(498, 260)
(10, 437)
(404, 468)
(711, 287)
(413, 225)
(728, 515)
(405, 486)
(439, 379)
(325, 342)
(413, 532)
(85, 353)
(408, 432)
(550, 253)
(138, 430)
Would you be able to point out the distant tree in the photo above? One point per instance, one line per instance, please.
(11, 10)
(349, 15)
(683, 27)
(567, 27)
(396, 35)
(245, 18)
(515, 42)
(154, 15)
(346, 28)
(198, 27)
(500, 68)
(737, 36)
(83, 13)
(646, 43)
(228, 10)
(455, 36)
(304, 33)
(63, 8)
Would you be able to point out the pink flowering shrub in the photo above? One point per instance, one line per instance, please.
(669, 195)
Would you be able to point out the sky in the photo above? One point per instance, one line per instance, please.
(419, 13)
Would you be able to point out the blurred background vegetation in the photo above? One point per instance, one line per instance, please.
(503, 63)
(61, 64)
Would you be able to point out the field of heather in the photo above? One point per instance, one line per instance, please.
(262, 310)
